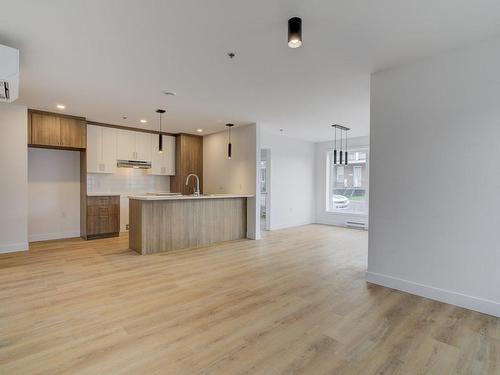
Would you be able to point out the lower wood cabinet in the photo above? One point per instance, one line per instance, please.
(103, 217)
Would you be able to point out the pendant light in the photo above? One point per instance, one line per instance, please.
(160, 138)
(294, 32)
(229, 126)
(345, 155)
(343, 146)
(335, 146)
(341, 141)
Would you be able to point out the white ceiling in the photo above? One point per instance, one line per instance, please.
(108, 59)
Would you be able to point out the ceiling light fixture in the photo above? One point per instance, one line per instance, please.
(294, 32)
(229, 154)
(342, 155)
(169, 93)
(160, 137)
(143, 121)
(61, 106)
(199, 130)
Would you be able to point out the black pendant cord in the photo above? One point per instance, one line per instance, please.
(341, 141)
(335, 147)
(229, 146)
(345, 148)
(160, 137)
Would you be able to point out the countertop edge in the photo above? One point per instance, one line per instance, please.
(188, 197)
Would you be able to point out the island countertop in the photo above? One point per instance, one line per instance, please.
(153, 197)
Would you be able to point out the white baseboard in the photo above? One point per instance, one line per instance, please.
(53, 236)
(11, 248)
(447, 296)
(291, 225)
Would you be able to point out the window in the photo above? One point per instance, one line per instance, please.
(347, 185)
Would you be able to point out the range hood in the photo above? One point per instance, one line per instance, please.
(133, 164)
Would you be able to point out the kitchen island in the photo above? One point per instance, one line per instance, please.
(164, 223)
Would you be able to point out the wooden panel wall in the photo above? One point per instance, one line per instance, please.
(188, 159)
(164, 225)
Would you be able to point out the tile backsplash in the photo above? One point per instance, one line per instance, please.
(126, 181)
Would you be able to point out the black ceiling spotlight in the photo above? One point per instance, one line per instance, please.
(294, 32)
(229, 126)
(342, 155)
(160, 138)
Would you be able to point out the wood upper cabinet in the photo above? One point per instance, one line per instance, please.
(45, 130)
(73, 133)
(54, 131)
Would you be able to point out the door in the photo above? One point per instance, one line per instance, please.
(265, 189)
(45, 130)
(73, 133)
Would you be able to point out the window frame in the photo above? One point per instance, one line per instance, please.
(328, 157)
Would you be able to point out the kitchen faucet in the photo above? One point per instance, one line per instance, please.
(196, 193)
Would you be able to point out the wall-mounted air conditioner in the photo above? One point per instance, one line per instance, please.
(9, 74)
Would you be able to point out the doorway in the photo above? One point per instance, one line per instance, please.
(265, 189)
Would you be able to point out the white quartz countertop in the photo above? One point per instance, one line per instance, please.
(180, 197)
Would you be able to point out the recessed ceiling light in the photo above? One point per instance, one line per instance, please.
(124, 117)
(143, 121)
(199, 130)
(61, 106)
(170, 93)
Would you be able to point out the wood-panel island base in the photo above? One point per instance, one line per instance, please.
(160, 224)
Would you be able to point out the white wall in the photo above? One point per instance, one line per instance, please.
(14, 182)
(237, 175)
(435, 181)
(291, 186)
(54, 194)
(321, 214)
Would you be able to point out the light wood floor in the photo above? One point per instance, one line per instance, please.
(293, 303)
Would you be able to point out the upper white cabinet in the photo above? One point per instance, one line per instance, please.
(163, 163)
(143, 146)
(125, 145)
(101, 149)
(107, 145)
(133, 145)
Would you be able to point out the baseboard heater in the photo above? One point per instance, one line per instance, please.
(355, 224)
